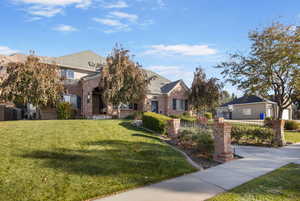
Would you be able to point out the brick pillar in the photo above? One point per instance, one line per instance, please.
(173, 128)
(222, 141)
(278, 127)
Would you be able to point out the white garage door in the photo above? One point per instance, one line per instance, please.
(285, 114)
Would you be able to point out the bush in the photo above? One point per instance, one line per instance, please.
(155, 122)
(208, 115)
(65, 110)
(135, 116)
(291, 125)
(199, 139)
(188, 118)
(184, 117)
(250, 134)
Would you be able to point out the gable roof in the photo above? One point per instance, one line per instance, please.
(168, 87)
(247, 99)
(156, 83)
(85, 60)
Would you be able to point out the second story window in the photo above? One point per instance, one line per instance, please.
(68, 74)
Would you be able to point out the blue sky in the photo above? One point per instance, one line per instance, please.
(171, 37)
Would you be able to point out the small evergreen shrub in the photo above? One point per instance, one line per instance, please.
(251, 134)
(65, 110)
(291, 125)
(208, 115)
(155, 122)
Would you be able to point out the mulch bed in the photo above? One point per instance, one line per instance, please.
(198, 158)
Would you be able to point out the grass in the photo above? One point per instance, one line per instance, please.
(76, 160)
(293, 137)
(280, 185)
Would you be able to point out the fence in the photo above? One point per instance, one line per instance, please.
(223, 133)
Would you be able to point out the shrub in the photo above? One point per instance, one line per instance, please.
(250, 134)
(208, 115)
(188, 118)
(136, 115)
(155, 122)
(199, 139)
(65, 110)
(291, 125)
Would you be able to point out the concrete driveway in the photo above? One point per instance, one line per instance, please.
(205, 184)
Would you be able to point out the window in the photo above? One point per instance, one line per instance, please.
(174, 104)
(73, 99)
(179, 104)
(247, 111)
(68, 74)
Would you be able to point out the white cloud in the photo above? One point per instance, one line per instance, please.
(44, 11)
(173, 73)
(6, 50)
(50, 8)
(182, 49)
(65, 28)
(115, 24)
(118, 4)
(123, 15)
(55, 2)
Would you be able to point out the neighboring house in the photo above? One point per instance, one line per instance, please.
(251, 107)
(82, 72)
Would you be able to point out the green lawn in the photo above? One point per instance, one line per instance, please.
(280, 185)
(76, 160)
(293, 137)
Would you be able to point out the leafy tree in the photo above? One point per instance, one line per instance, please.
(122, 80)
(272, 66)
(205, 93)
(31, 82)
(225, 97)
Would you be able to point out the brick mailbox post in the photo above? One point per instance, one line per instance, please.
(173, 128)
(278, 127)
(222, 141)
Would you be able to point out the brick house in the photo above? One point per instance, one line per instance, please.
(81, 71)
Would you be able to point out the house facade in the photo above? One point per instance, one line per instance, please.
(251, 108)
(82, 77)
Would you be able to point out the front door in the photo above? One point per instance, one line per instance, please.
(154, 106)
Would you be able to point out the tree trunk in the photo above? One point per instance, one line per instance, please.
(280, 112)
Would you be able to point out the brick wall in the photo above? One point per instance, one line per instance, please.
(178, 93)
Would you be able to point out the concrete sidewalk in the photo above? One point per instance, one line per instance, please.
(205, 184)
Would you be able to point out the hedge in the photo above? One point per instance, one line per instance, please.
(291, 125)
(155, 122)
(185, 117)
(251, 134)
